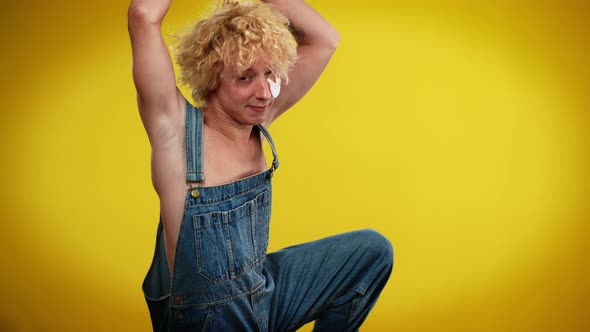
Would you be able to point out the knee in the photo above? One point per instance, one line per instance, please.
(373, 244)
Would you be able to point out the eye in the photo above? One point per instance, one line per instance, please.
(243, 78)
(268, 74)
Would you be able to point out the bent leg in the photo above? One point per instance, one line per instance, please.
(334, 281)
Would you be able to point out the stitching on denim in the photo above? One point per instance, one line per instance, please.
(219, 301)
(253, 296)
(217, 199)
(243, 211)
(237, 273)
(229, 246)
(208, 319)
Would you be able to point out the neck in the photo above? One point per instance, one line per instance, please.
(215, 118)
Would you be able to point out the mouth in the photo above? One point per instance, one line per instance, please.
(258, 108)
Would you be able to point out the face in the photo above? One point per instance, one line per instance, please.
(244, 97)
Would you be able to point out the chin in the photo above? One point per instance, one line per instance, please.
(257, 119)
(257, 122)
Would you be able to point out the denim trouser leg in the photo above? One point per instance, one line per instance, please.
(334, 281)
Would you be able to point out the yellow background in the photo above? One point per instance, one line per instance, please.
(457, 129)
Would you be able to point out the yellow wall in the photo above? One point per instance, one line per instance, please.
(457, 129)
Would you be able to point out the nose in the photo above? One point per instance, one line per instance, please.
(262, 89)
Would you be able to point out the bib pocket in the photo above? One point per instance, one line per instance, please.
(231, 243)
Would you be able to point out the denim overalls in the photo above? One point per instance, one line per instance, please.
(224, 280)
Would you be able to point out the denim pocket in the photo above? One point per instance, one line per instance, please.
(231, 243)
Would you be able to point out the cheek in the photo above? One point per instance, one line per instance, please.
(241, 95)
(233, 95)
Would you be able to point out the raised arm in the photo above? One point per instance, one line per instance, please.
(317, 41)
(153, 73)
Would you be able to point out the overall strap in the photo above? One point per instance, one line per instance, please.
(275, 157)
(194, 144)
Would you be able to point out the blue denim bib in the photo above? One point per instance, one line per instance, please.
(221, 246)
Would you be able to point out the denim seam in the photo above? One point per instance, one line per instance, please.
(253, 213)
(360, 290)
(218, 199)
(264, 203)
(220, 301)
(239, 217)
(254, 311)
(204, 202)
(229, 247)
(207, 320)
(239, 273)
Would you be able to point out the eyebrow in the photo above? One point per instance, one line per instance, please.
(250, 71)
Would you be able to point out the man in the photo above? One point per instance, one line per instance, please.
(210, 270)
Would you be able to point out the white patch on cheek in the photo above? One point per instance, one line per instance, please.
(275, 87)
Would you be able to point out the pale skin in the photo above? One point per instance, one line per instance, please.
(232, 149)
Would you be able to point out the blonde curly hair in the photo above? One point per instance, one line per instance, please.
(235, 36)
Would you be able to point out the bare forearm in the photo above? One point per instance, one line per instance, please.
(311, 27)
(153, 72)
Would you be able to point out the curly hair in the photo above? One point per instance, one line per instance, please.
(235, 35)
